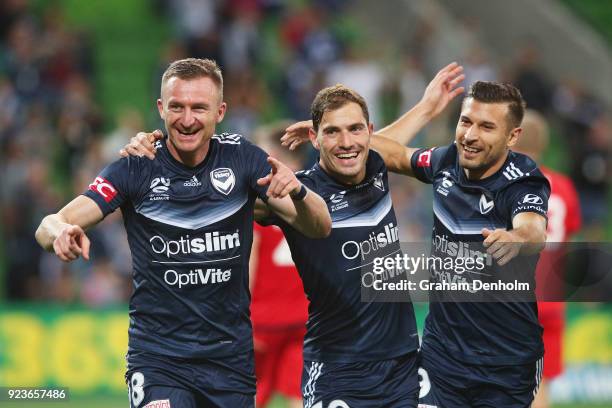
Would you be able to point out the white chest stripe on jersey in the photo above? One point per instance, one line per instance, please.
(194, 216)
(370, 218)
(462, 226)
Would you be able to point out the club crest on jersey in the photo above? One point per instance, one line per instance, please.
(485, 205)
(223, 180)
(378, 182)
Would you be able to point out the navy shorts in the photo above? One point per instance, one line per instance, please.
(448, 383)
(389, 383)
(156, 381)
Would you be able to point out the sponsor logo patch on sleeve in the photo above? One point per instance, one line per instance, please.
(158, 404)
(424, 159)
(104, 188)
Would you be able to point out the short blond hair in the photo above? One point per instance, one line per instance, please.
(192, 68)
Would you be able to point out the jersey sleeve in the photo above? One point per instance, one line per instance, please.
(530, 195)
(272, 218)
(425, 162)
(111, 188)
(256, 163)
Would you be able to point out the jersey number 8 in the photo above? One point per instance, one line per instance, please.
(136, 388)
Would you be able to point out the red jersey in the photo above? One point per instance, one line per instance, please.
(563, 220)
(563, 207)
(278, 298)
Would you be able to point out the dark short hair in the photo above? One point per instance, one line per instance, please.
(192, 68)
(497, 92)
(332, 98)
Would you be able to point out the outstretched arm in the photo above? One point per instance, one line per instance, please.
(294, 203)
(527, 237)
(64, 233)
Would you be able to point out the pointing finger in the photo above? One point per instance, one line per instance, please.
(264, 180)
(274, 163)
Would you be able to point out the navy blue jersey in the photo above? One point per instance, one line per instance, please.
(341, 328)
(490, 333)
(190, 232)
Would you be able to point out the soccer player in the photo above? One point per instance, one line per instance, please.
(563, 221)
(493, 200)
(490, 200)
(356, 354)
(279, 308)
(189, 216)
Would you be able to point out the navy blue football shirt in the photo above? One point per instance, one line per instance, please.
(341, 328)
(489, 333)
(190, 232)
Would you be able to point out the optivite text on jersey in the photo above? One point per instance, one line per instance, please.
(196, 276)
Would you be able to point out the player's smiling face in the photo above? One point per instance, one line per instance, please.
(483, 137)
(343, 140)
(191, 109)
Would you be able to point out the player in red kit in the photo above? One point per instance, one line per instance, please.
(279, 308)
(563, 221)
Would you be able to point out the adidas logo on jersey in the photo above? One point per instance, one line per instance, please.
(511, 172)
(193, 182)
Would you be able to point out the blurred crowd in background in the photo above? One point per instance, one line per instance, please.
(55, 137)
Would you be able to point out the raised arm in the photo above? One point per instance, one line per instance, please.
(441, 90)
(391, 140)
(63, 232)
(294, 203)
